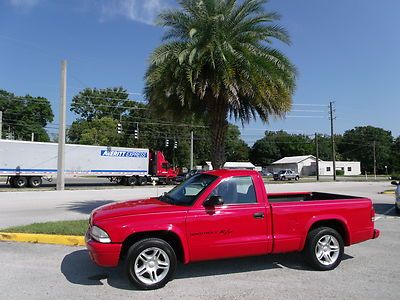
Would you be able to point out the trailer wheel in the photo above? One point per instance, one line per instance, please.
(142, 180)
(20, 182)
(35, 182)
(131, 180)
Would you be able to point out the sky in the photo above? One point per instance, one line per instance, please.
(346, 51)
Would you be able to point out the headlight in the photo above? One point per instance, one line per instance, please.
(99, 235)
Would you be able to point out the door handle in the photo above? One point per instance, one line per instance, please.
(259, 215)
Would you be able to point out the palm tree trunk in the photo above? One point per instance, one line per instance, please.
(219, 126)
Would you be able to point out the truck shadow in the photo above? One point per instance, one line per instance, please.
(85, 207)
(79, 269)
(388, 208)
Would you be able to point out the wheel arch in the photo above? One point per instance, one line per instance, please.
(170, 237)
(335, 223)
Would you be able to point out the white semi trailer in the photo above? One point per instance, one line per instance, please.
(28, 163)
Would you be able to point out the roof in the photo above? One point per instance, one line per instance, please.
(245, 165)
(293, 159)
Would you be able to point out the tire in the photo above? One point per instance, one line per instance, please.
(146, 256)
(324, 248)
(142, 180)
(297, 178)
(131, 180)
(283, 178)
(397, 209)
(20, 182)
(11, 181)
(35, 182)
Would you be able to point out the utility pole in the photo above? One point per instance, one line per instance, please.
(191, 150)
(333, 140)
(61, 130)
(317, 155)
(1, 123)
(375, 159)
(32, 137)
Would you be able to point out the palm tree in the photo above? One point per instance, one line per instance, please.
(217, 63)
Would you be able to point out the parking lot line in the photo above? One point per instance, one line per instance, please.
(384, 214)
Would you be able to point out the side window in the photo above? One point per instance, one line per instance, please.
(236, 190)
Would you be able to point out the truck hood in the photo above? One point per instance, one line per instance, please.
(133, 207)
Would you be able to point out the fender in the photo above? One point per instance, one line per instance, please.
(321, 218)
(166, 228)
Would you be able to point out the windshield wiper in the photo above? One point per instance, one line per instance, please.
(167, 199)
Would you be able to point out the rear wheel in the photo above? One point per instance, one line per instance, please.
(150, 263)
(20, 182)
(297, 178)
(35, 182)
(11, 181)
(131, 180)
(324, 248)
(142, 180)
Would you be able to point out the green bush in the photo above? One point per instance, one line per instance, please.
(339, 172)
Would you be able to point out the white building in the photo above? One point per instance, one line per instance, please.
(306, 165)
(207, 165)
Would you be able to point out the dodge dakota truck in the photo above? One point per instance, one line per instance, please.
(224, 214)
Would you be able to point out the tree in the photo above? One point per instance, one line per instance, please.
(358, 144)
(217, 62)
(23, 116)
(395, 157)
(236, 148)
(98, 103)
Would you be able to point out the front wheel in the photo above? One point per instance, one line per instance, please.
(324, 248)
(283, 178)
(150, 263)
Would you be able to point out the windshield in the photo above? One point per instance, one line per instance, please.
(187, 192)
(282, 172)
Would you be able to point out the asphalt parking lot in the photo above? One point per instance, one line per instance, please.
(370, 270)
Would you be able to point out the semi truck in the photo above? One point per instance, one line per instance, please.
(29, 163)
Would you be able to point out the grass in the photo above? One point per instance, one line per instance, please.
(76, 228)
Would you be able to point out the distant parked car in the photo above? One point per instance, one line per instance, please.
(182, 177)
(397, 201)
(286, 175)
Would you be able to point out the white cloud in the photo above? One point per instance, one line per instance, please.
(144, 11)
(24, 4)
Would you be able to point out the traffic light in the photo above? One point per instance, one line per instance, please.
(176, 145)
(166, 142)
(119, 128)
(136, 134)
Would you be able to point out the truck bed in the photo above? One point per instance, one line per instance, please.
(305, 196)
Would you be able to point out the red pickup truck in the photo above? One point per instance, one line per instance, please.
(223, 214)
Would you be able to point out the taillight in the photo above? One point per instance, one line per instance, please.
(372, 214)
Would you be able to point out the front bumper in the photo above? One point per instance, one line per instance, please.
(105, 255)
(376, 234)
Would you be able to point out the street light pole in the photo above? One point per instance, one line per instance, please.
(61, 130)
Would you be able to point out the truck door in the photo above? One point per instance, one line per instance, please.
(236, 228)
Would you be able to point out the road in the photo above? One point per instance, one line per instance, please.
(29, 271)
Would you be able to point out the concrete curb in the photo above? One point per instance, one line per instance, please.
(67, 240)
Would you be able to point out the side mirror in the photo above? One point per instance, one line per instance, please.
(394, 182)
(213, 201)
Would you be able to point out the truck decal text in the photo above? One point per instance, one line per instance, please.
(119, 153)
